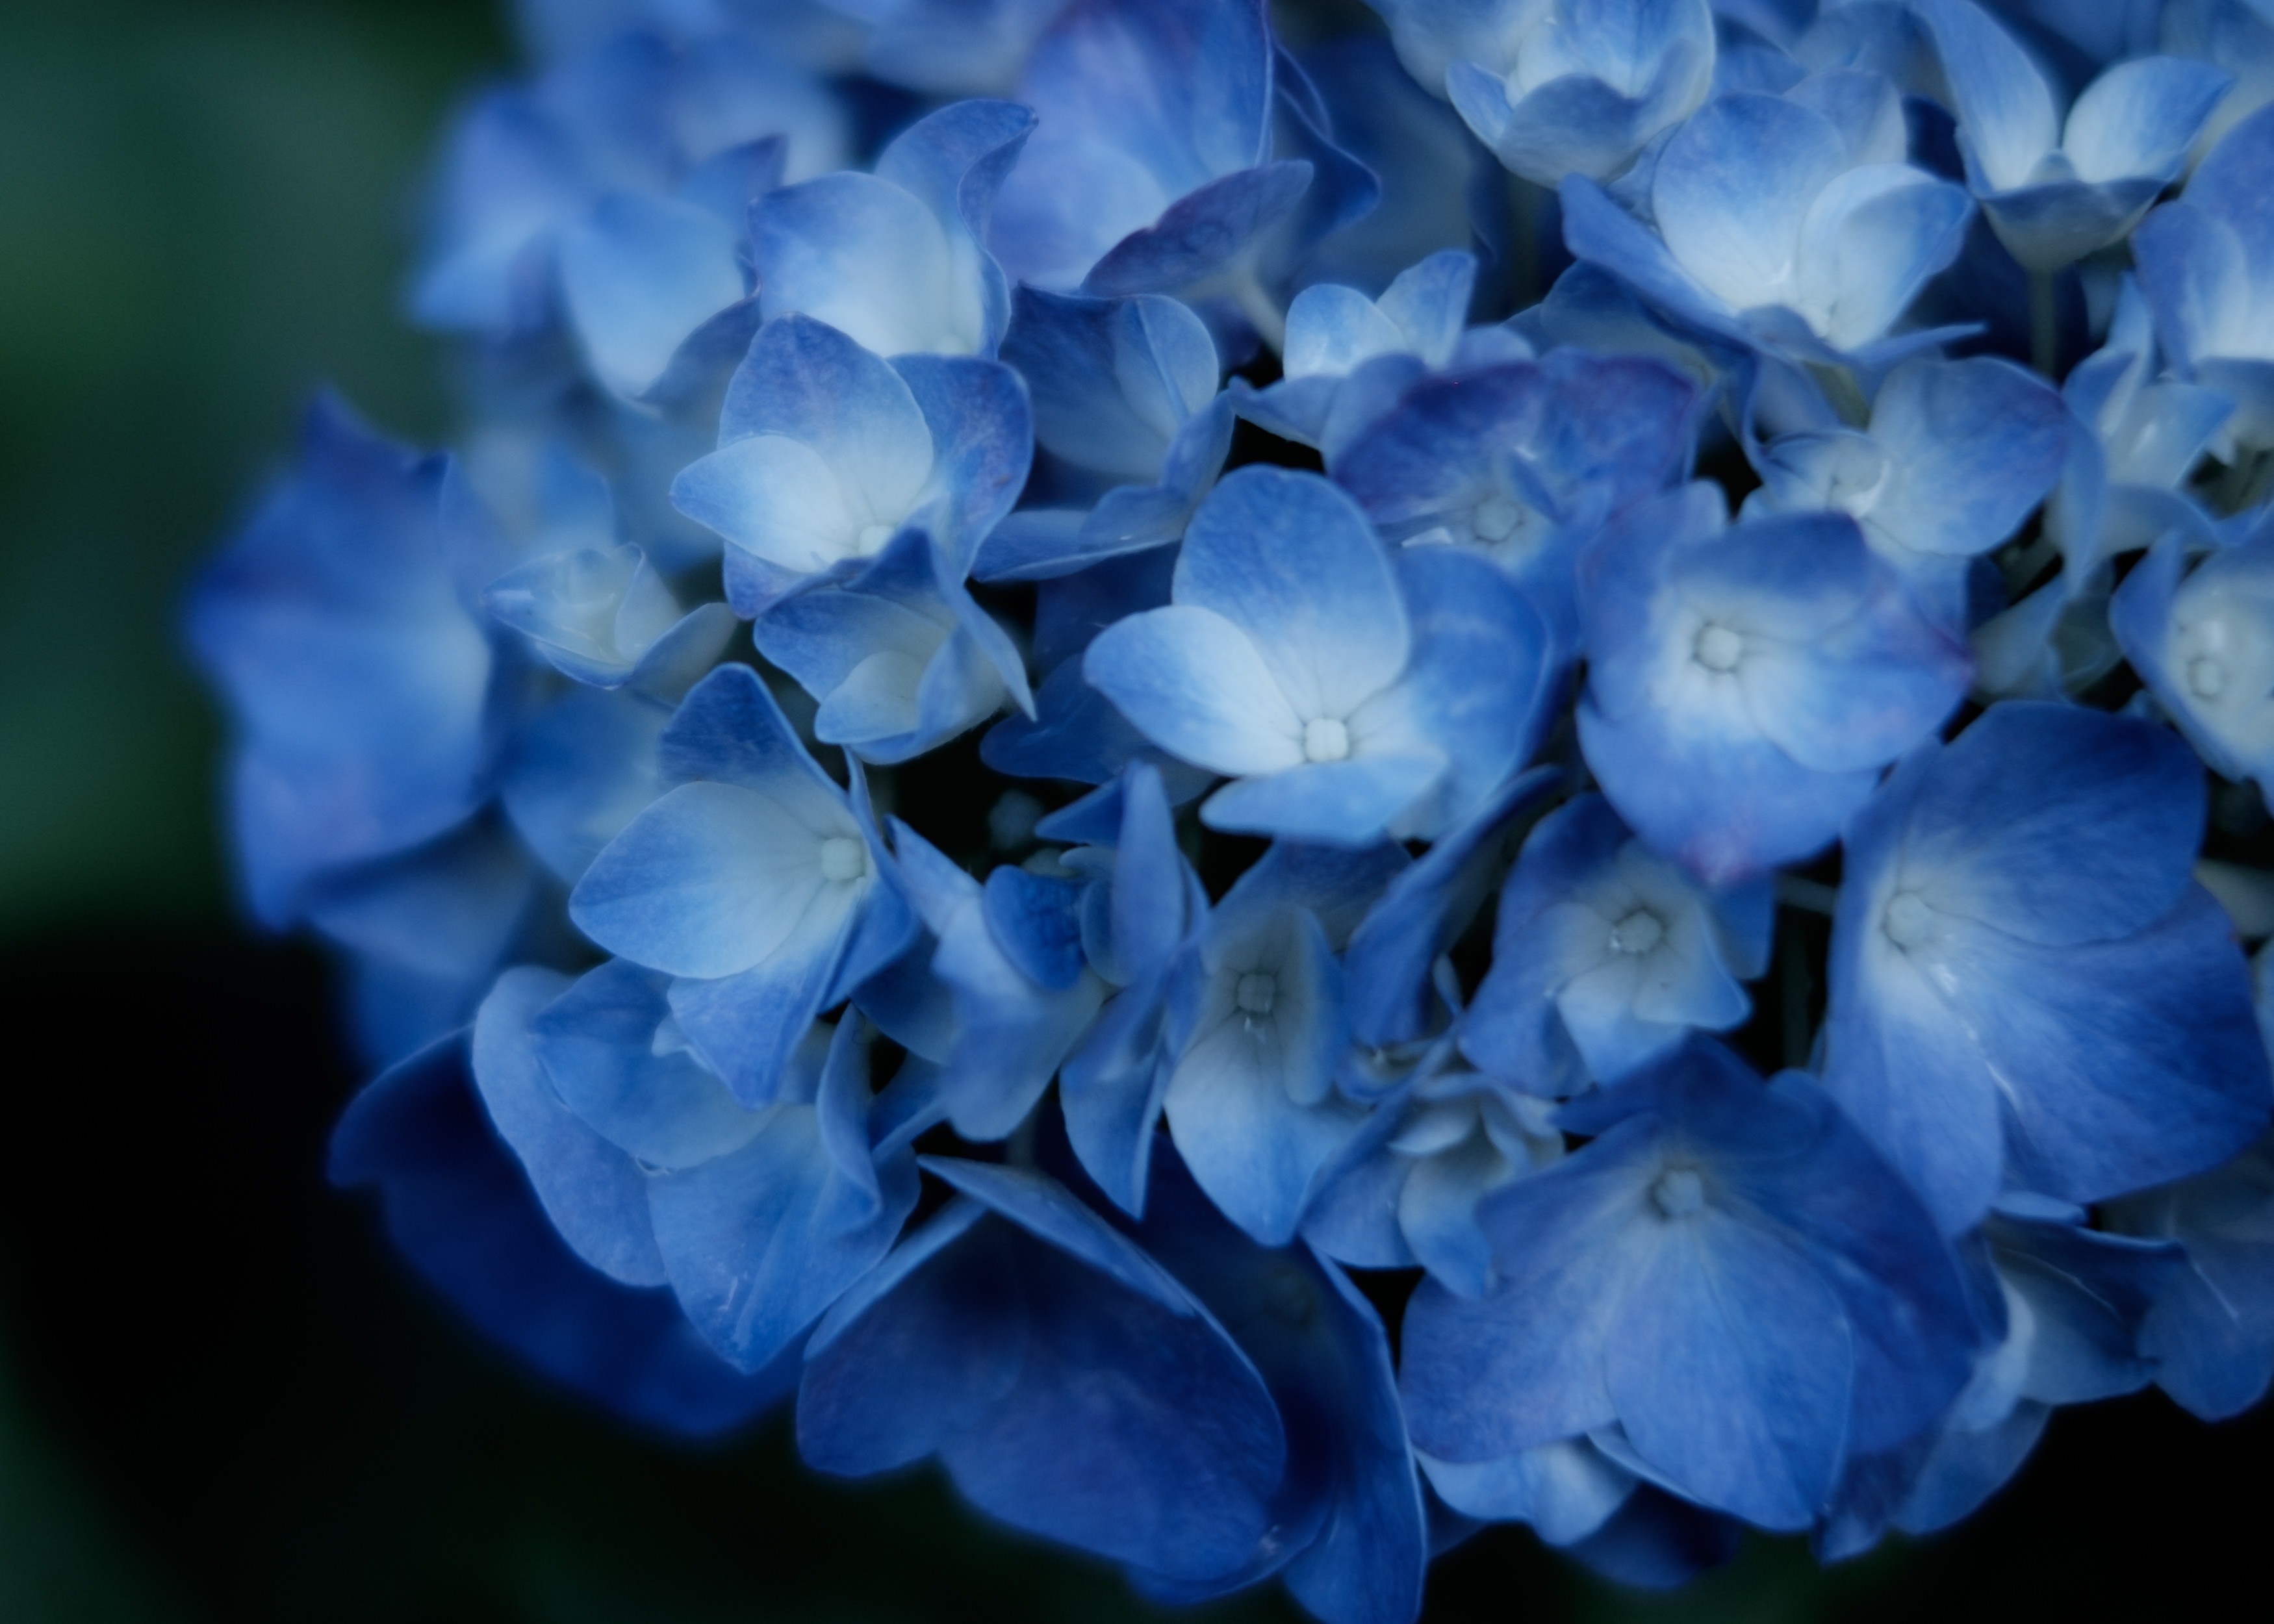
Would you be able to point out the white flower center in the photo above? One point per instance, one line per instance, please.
(1496, 518)
(1255, 994)
(1678, 1192)
(2206, 677)
(1908, 920)
(843, 860)
(1325, 739)
(1718, 648)
(871, 539)
(1637, 933)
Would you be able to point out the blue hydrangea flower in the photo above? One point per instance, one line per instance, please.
(756, 881)
(896, 260)
(1347, 357)
(1127, 409)
(625, 169)
(2054, 190)
(464, 1215)
(340, 627)
(1018, 1321)
(1411, 1197)
(2202, 260)
(2211, 1331)
(1258, 1030)
(758, 327)
(826, 452)
(1153, 170)
(1782, 222)
(1956, 456)
(655, 1174)
(1349, 694)
(2026, 979)
(1524, 463)
(1606, 955)
(1746, 687)
(1726, 1283)
(1584, 85)
(2202, 640)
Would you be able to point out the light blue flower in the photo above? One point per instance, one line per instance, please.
(897, 259)
(826, 452)
(609, 620)
(2026, 981)
(2057, 190)
(1139, 916)
(2202, 640)
(1127, 407)
(1019, 992)
(1586, 84)
(1746, 685)
(1787, 223)
(756, 881)
(1411, 1198)
(1524, 463)
(1152, 170)
(339, 625)
(1956, 456)
(1347, 357)
(2203, 262)
(622, 170)
(898, 655)
(1348, 693)
(654, 1172)
(1258, 1030)
(1608, 955)
(1726, 1286)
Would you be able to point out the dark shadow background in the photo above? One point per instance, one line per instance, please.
(219, 1400)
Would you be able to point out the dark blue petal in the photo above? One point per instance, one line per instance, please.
(466, 1221)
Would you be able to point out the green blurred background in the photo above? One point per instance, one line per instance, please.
(218, 1400)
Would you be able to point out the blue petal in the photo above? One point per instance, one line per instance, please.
(359, 683)
(1036, 919)
(1202, 234)
(2057, 825)
(1730, 1366)
(1193, 682)
(1292, 562)
(640, 274)
(760, 1241)
(2140, 118)
(990, 1346)
(1479, 688)
(594, 1193)
(1245, 1102)
(1321, 1350)
(2001, 99)
(608, 1059)
(1426, 908)
(1112, 379)
(466, 1219)
(1345, 803)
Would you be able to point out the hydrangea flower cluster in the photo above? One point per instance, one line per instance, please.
(1125, 732)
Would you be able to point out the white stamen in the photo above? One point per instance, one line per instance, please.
(843, 860)
(1325, 739)
(1718, 648)
(1637, 933)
